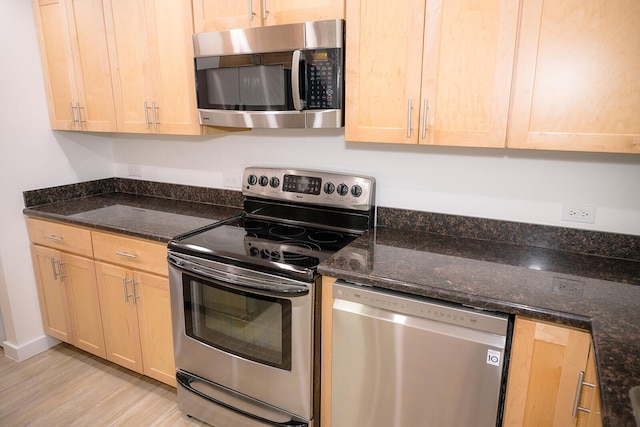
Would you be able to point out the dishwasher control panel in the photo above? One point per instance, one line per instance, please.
(423, 307)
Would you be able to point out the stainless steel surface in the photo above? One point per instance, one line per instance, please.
(363, 202)
(576, 401)
(402, 361)
(295, 80)
(79, 114)
(634, 393)
(154, 114)
(271, 119)
(275, 38)
(146, 115)
(409, 107)
(290, 390)
(425, 106)
(206, 401)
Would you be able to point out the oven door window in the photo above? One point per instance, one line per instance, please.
(252, 326)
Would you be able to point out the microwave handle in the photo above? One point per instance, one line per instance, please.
(295, 80)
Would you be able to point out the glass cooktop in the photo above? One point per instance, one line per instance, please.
(260, 241)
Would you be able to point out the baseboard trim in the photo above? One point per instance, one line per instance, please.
(30, 349)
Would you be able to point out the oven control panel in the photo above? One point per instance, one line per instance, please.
(310, 186)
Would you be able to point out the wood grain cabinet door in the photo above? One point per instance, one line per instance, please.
(75, 60)
(79, 278)
(119, 316)
(52, 293)
(277, 12)
(577, 76)
(154, 318)
(544, 371)
(430, 72)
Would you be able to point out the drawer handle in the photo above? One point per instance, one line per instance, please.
(52, 237)
(576, 402)
(126, 254)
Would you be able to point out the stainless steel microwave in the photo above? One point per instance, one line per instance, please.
(281, 76)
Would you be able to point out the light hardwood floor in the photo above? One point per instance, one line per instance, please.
(64, 386)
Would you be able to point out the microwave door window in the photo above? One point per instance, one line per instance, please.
(263, 87)
(223, 88)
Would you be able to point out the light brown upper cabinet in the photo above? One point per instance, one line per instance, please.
(151, 56)
(218, 15)
(577, 77)
(429, 71)
(75, 60)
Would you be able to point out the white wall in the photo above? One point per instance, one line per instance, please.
(520, 185)
(506, 184)
(31, 156)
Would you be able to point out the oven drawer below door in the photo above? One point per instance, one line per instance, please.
(222, 407)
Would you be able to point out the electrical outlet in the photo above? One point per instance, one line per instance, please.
(135, 169)
(231, 180)
(579, 213)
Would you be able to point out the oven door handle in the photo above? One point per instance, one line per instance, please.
(185, 380)
(265, 284)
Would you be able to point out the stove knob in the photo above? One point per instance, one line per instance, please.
(275, 255)
(356, 191)
(264, 180)
(329, 188)
(254, 252)
(275, 182)
(343, 189)
(265, 253)
(252, 180)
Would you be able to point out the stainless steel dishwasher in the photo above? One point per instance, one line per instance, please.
(402, 361)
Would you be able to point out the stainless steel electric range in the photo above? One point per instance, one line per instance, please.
(245, 297)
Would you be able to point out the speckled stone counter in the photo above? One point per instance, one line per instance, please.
(592, 292)
(150, 210)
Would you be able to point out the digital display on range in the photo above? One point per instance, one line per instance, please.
(302, 184)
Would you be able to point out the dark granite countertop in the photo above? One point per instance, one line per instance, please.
(521, 269)
(592, 292)
(133, 208)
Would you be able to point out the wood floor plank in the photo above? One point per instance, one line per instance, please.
(64, 386)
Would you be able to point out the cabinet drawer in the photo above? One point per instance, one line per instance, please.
(130, 252)
(63, 237)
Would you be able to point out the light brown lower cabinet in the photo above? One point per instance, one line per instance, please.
(136, 315)
(106, 294)
(552, 377)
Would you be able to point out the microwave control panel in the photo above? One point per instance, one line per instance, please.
(323, 76)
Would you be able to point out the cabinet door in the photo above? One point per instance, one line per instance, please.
(54, 40)
(545, 365)
(129, 56)
(219, 15)
(79, 278)
(170, 31)
(576, 77)
(383, 70)
(119, 316)
(290, 11)
(51, 293)
(154, 317)
(469, 50)
(95, 108)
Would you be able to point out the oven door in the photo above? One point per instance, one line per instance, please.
(248, 334)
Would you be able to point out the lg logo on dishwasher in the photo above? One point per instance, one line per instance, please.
(493, 357)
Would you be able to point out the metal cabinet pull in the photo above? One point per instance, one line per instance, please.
(126, 291)
(73, 116)
(53, 267)
(52, 237)
(126, 254)
(153, 114)
(409, 118)
(146, 114)
(79, 114)
(265, 12)
(133, 288)
(576, 402)
(425, 107)
(251, 10)
(61, 274)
